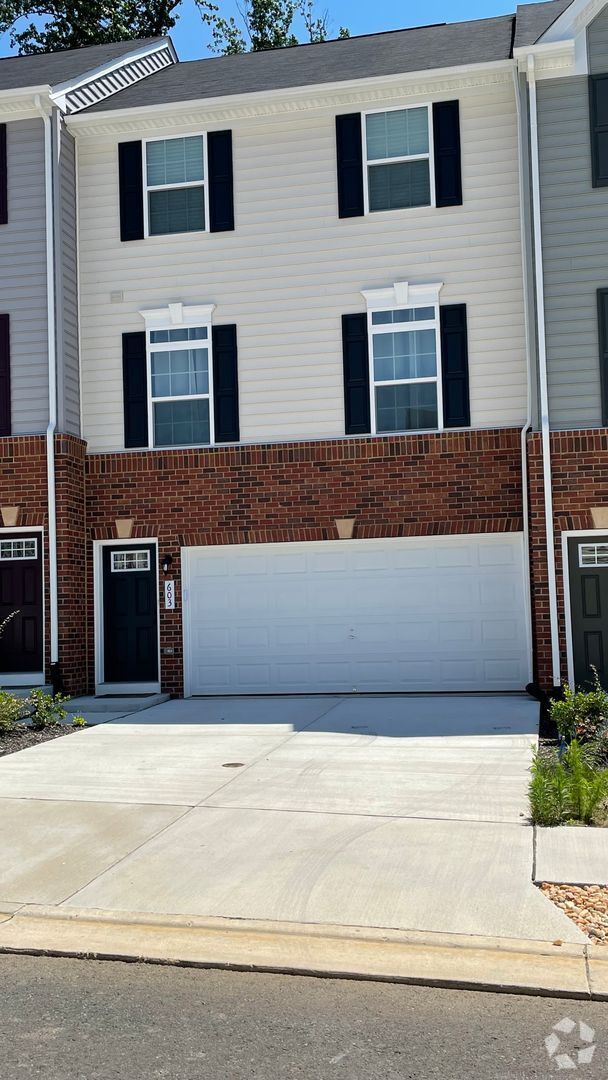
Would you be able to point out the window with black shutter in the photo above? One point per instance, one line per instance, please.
(598, 108)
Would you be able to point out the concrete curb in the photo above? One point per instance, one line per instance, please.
(500, 965)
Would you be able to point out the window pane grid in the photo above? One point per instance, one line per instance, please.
(175, 174)
(19, 549)
(180, 389)
(405, 369)
(593, 554)
(398, 159)
(123, 561)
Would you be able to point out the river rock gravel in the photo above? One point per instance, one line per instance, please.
(586, 905)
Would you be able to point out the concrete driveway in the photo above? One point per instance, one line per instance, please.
(397, 812)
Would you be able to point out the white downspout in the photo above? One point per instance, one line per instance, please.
(527, 324)
(52, 371)
(542, 370)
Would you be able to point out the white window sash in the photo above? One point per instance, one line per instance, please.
(367, 163)
(174, 187)
(410, 327)
(179, 346)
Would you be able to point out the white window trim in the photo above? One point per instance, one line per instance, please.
(25, 678)
(101, 687)
(592, 565)
(396, 160)
(130, 569)
(19, 558)
(204, 183)
(174, 317)
(399, 296)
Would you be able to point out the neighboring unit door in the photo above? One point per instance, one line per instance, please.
(424, 614)
(21, 642)
(130, 614)
(588, 571)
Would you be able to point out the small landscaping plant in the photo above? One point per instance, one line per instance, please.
(46, 710)
(12, 711)
(581, 714)
(568, 788)
(79, 722)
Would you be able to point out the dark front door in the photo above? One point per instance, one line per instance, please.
(588, 569)
(130, 614)
(21, 643)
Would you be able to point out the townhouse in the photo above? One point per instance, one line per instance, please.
(305, 438)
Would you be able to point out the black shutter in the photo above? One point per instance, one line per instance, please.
(131, 183)
(349, 150)
(598, 108)
(355, 353)
(455, 366)
(446, 139)
(602, 314)
(5, 376)
(221, 193)
(135, 389)
(3, 177)
(225, 384)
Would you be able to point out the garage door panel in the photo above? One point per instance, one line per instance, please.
(388, 615)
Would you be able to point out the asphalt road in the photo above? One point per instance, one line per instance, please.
(81, 1020)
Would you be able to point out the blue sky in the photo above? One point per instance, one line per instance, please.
(191, 37)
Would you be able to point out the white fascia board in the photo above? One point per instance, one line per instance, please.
(480, 73)
(575, 18)
(20, 104)
(402, 294)
(61, 90)
(177, 315)
(555, 58)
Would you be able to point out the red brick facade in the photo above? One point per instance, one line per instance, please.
(579, 465)
(422, 485)
(449, 483)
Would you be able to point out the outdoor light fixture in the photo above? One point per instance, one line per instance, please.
(167, 563)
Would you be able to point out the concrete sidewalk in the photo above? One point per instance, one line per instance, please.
(403, 814)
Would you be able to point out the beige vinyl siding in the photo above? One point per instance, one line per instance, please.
(23, 276)
(292, 268)
(67, 288)
(597, 44)
(575, 241)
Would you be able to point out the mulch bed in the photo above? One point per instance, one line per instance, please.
(586, 905)
(22, 737)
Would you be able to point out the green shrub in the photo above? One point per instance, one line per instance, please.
(600, 748)
(12, 710)
(582, 713)
(46, 710)
(570, 789)
(79, 721)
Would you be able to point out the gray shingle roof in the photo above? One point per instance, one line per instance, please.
(533, 20)
(392, 53)
(50, 69)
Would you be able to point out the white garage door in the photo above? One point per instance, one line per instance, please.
(443, 613)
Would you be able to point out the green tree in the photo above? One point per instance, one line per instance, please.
(55, 25)
(264, 24)
(50, 25)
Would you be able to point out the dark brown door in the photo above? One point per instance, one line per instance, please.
(21, 643)
(130, 614)
(588, 569)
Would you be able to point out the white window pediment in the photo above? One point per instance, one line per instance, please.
(402, 294)
(177, 315)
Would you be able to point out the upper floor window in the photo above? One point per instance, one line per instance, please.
(398, 158)
(405, 355)
(180, 378)
(175, 185)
